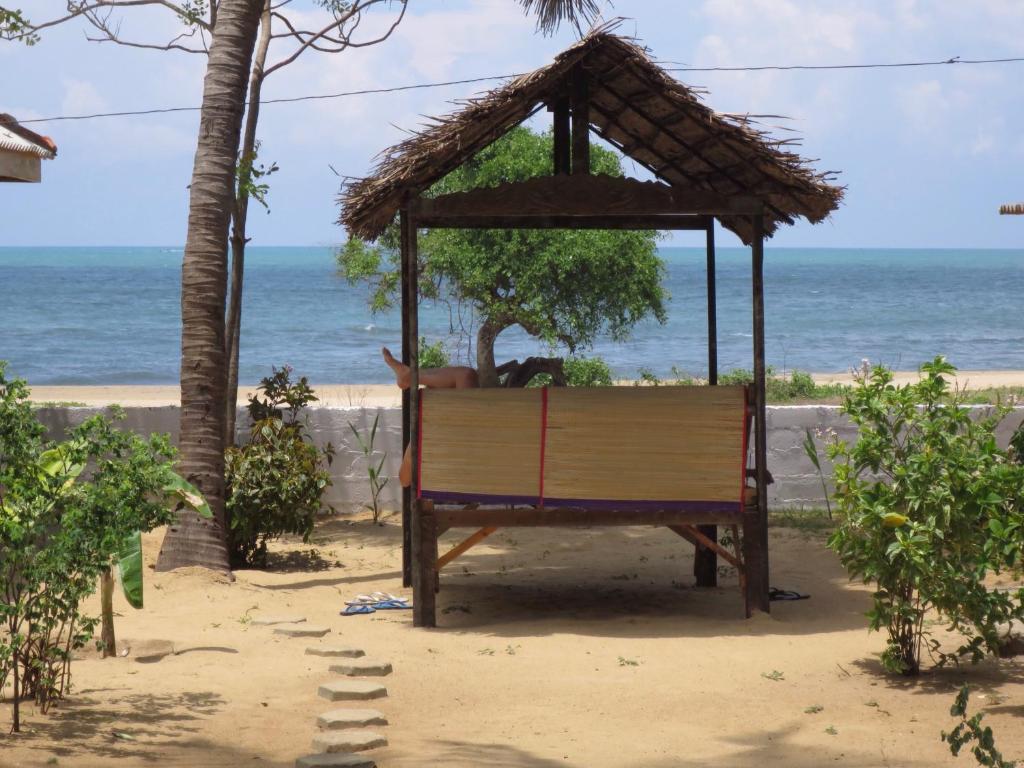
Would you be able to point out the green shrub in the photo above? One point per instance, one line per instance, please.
(587, 372)
(66, 511)
(929, 506)
(433, 355)
(276, 481)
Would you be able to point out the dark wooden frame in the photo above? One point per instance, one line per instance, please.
(541, 204)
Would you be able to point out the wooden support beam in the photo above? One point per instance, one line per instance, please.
(705, 559)
(580, 122)
(465, 545)
(510, 517)
(406, 345)
(755, 527)
(669, 221)
(561, 135)
(594, 196)
(424, 534)
(694, 535)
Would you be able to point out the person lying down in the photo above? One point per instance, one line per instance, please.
(450, 377)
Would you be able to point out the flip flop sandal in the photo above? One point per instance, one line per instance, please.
(390, 605)
(355, 610)
(786, 594)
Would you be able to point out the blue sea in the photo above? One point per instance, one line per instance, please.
(112, 315)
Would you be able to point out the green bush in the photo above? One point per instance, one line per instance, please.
(587, 372)
(66, 511)
(276, 481)
(433, 355)
(929, 507)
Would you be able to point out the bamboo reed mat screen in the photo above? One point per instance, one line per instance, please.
(481, 442)
(600, 446)
(645, 444)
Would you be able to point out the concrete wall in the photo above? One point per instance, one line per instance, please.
(796, 481)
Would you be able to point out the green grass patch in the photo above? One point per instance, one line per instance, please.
(811, 521)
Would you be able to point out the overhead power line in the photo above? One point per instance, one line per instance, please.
(420, 86)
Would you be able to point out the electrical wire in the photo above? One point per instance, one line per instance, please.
(956, 60)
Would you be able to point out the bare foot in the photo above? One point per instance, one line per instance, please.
(401, 370)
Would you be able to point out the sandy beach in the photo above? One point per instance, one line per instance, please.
(386, 395)
(582, 648)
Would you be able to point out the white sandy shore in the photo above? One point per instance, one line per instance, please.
(388, 395)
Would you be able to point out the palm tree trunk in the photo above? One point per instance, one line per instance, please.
(194, 540)
(238, 236)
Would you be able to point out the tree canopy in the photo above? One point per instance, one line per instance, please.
(564, 287)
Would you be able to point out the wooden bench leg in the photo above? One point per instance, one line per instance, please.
(424, 579)
(705, 560)
(754, 558)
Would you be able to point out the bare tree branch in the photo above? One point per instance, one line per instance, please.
(312, 40)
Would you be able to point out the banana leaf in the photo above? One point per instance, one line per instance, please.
(188, 495)
(129, 564)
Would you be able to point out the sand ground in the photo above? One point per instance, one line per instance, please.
(387, 395)
(582, 648)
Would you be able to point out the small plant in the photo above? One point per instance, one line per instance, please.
(774, 676)
(624, 662)
(929, 507)
(813, 709)
(433, 355)
(811, 449)
(276, 481)
(645, 377)
(375, 472)
(968, 730)
(831, 731)
(587, 372)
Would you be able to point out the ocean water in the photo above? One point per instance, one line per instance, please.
(111, 315)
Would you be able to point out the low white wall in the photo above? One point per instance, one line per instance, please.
(796, 481)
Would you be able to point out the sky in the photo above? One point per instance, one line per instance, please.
(927, 153)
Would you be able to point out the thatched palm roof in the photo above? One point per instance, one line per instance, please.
(636, 106)
(1012, 209)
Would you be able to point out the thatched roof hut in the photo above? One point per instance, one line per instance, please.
(637, 107)
(1012, 209)
(22, 151)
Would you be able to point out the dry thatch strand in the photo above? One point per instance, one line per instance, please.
(637, 107)
(1012, 209)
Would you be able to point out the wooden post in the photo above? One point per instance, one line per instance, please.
(712, 306)
(406, 346)
(755, 528)
(422, 524)
(705, 561)
(580, 122)
(560, 132)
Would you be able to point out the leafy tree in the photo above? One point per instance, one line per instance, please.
(67, 511)
(564, 287)
(929, 507)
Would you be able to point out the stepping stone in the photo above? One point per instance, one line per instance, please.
(362, 668)
(335, 650)
(339, 759)
(266, 621)
(298, 630)
(348, 741)
(337, 719)
(352, 690)
(147, 651)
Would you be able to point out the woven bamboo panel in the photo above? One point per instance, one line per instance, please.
(481, 441)
(645, 443)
